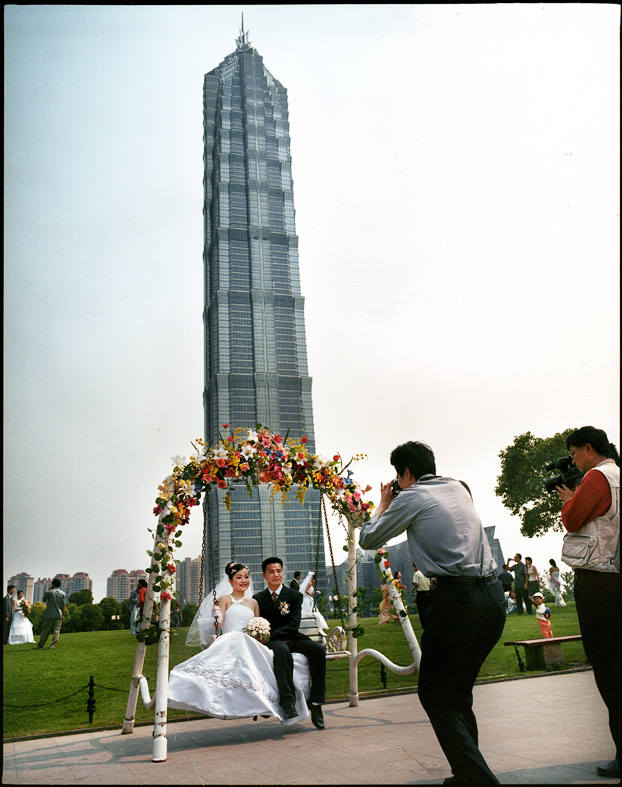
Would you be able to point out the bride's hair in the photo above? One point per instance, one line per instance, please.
(232, 568)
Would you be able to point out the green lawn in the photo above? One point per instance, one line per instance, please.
(35, 677)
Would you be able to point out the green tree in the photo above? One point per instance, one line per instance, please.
(362, 600)
(567, 578)
(376, 598)
(520, 484)
(188, 613)
(110, 608)
(89, 617)
(36, 616)
(125, 613)
(71, 621)
(81, 597)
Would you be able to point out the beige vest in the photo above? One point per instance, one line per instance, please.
(596, 545)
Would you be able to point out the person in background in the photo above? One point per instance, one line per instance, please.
(134, 611)
(543, 614)
(556, 585)
(591, 516)
(295, 583)
(520, 583)
(532, 578)
(506, 579)
(53, 616)
(142, 594)
(423, 598)
(511, 602)
(8, 613)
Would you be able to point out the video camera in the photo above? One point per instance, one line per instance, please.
(569, 474)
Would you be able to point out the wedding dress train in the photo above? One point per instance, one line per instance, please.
(234, 677)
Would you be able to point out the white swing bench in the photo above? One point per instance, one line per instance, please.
(334, 641)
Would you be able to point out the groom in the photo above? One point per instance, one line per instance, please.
(281, 607)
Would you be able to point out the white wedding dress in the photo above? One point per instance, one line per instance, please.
(307, 604)
(234, 677)
(21, 629)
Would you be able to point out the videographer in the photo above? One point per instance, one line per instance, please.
(468, 604)
(591, 515)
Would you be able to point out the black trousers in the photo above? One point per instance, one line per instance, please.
(284, 668)
(597, 596)
(522, 595)
(464, 625)
(423, 600)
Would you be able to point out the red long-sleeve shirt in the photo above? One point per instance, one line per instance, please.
(592, 499)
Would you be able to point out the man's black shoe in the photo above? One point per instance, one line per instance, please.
(289, 711)
(611, 769)
(317, 717)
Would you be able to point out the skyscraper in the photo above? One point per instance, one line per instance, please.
(255, 344)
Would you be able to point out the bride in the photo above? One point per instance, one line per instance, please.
(232, 677)
(21, 627)
(309, 606)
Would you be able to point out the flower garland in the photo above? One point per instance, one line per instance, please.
(381, 558)
(252, 457)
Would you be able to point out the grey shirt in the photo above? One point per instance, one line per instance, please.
(445, 533)
(55, 600)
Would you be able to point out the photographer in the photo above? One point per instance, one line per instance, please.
(468, 605)
(591, 515)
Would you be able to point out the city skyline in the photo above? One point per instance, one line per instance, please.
(469, 230)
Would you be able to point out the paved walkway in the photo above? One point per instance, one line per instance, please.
(544, 730)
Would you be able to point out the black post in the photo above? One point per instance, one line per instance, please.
(521, 666)
(383, 675)
(90, 703)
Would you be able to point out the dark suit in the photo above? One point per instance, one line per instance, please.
(8, 613)
(285, 639)
(294, 584)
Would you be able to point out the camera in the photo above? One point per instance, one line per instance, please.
(568, 474)
(395, 488)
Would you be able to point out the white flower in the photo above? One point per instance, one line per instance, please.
(248, 450)
(178, 461)
(221, 453)
(252, 435)
(319, 461)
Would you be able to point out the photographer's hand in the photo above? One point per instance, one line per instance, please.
(386, 496)
(565, 492)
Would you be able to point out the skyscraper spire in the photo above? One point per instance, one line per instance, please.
(242, 39)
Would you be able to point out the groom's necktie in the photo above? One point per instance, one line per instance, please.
(274, 596)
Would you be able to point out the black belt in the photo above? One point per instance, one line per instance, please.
(455, 580)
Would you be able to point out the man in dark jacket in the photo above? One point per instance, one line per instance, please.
(282, 608)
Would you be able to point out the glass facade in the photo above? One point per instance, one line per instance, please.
(255, 343)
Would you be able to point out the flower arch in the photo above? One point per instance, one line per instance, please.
(252, 457)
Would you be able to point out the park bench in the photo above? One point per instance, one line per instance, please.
(544, 653)
(334, 641)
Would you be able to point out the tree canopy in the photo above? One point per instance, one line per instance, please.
(520, 484)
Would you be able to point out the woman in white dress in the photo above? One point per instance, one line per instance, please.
(233, 677)
(556, 585)
(21, 628)
(309, 605)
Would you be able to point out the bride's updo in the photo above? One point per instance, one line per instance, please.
(231, 569)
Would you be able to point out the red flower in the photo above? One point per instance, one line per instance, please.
(225, 426)
(157, 510)
(171, 567)
(222, 484)
(386, 564)
(304, 440)
(164, 596)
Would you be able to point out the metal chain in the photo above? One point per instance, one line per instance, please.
(205, 505)
(332, 560)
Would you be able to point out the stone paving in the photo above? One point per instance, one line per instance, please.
(543, 730)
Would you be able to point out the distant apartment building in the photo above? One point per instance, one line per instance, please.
(188, 576)
(24, 582)
(120, 583)
(495, 547)
(79, 581)
(40, 586)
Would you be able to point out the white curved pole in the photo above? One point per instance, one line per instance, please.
(352, 641)
(160, 745)
(130, 711)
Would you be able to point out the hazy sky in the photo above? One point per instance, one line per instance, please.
(456, 183)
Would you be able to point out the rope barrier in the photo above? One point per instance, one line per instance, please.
(42, 704)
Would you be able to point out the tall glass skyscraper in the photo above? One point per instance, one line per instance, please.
(255, 344)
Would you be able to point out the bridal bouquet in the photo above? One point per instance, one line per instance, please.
(258, 628)
(25, 607)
